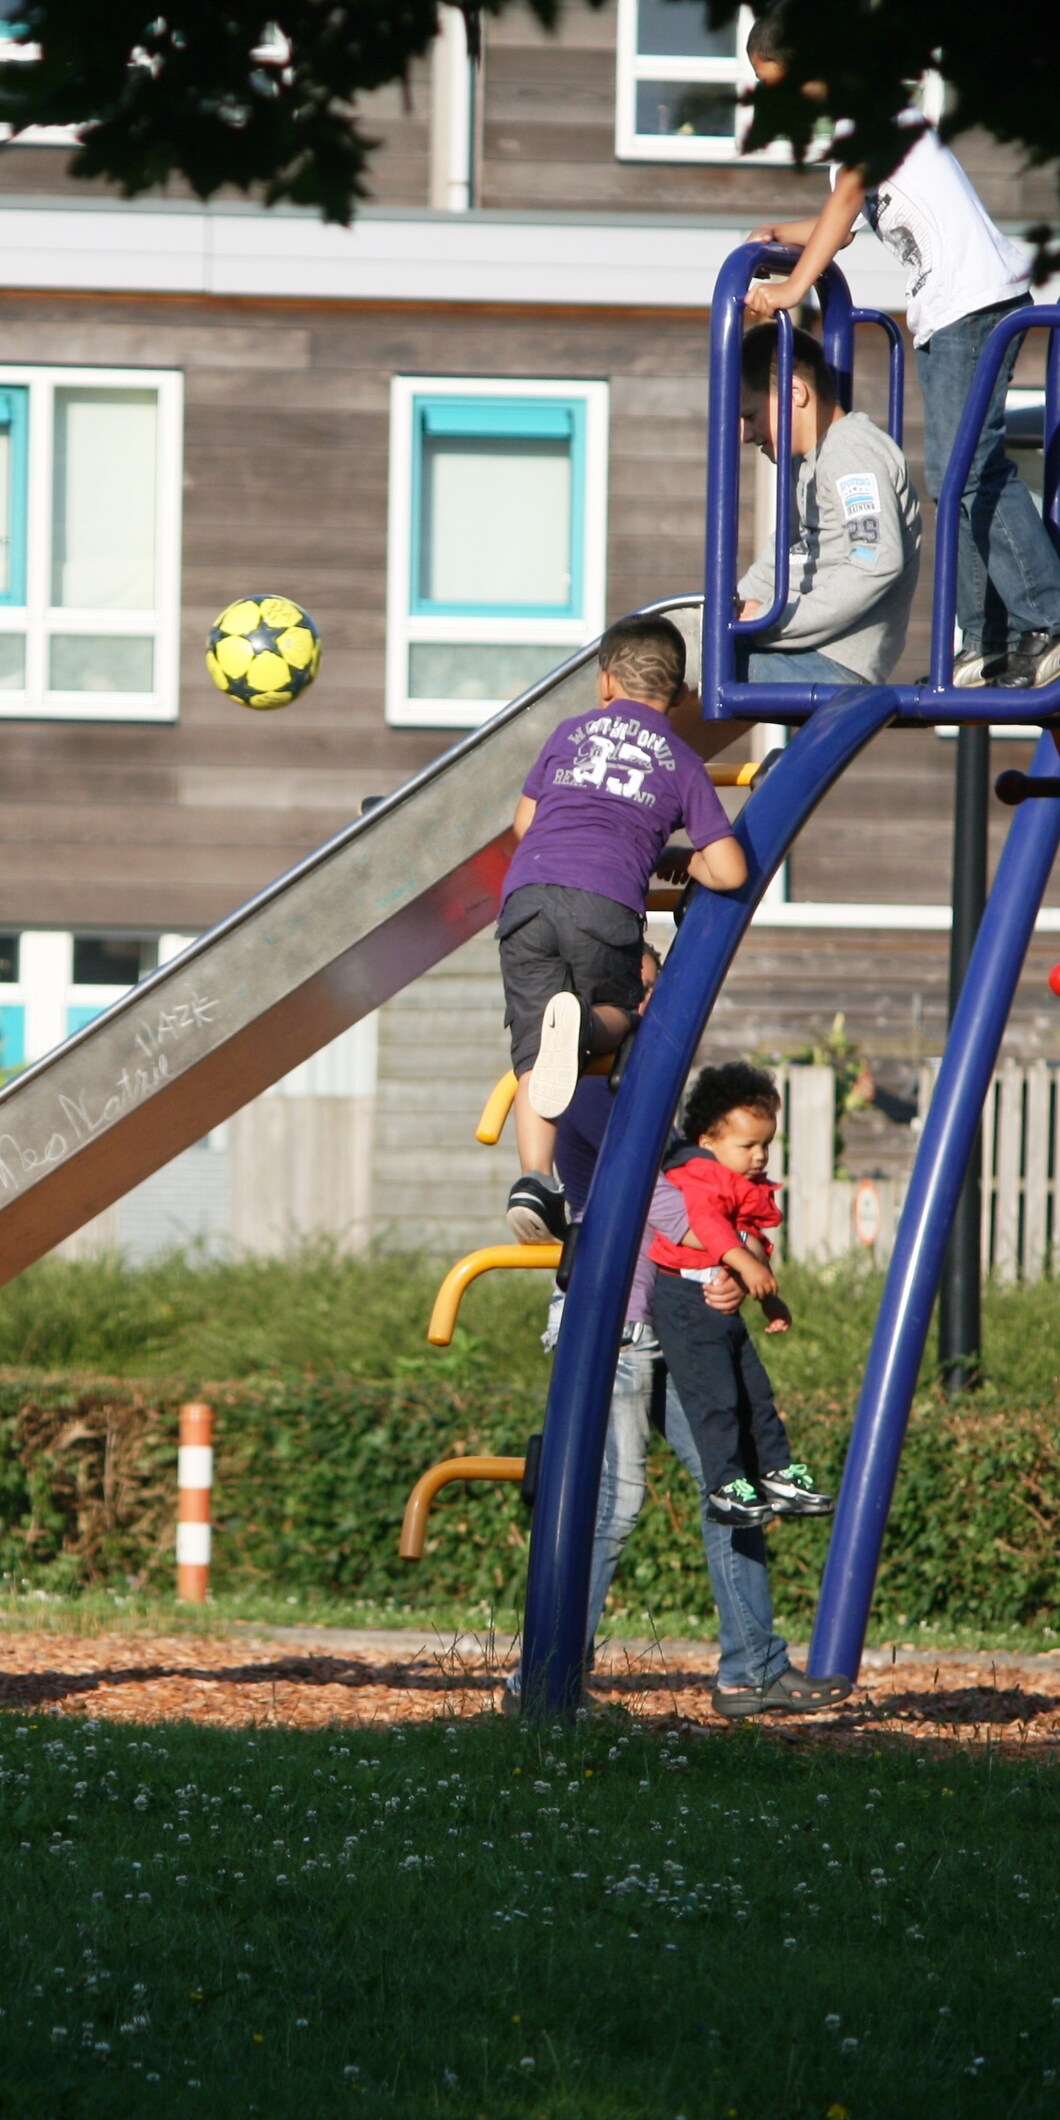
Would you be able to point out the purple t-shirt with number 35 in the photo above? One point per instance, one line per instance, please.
(610, 788)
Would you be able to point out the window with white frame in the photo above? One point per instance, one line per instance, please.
(498, 522)
(679, 84)
(89, 543)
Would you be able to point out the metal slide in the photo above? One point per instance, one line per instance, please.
(318, 949)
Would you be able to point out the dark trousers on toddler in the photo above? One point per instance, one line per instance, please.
(721, 1383)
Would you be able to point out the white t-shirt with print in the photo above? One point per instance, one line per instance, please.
(932, 219)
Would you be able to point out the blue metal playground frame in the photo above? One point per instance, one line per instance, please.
(834, 726)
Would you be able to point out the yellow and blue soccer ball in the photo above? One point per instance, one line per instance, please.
(263, 651)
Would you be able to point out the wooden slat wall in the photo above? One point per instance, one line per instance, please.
(549, 138)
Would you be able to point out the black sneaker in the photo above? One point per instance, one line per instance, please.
(1033, 652)
(537, 1210)
(791, 1492)
(738, 1503)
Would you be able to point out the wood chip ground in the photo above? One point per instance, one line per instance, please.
(311, 1680)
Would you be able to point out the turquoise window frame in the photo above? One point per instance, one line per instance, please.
(506, 419)
(14, 420)
(12, 1036)
(81, 1012)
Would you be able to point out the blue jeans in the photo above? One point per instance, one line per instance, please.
(1008, 574)
(791, 666)
(751, 1654)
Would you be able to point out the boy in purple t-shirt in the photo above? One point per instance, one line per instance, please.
(596, 810)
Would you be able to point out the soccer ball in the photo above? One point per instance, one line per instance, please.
(263, 651)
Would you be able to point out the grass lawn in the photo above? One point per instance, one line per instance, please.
(486, 1920)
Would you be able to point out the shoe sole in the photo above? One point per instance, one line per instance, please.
(736, 1707)
(799, 1505)
(741, 1519)
(528, 1227)
(554, 1075)
(1051, 671)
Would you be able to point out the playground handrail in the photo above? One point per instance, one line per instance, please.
(937, 700)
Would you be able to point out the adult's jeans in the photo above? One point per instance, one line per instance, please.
(793, 666)
(1008, 573)
(751, 1654)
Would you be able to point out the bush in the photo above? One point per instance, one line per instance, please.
(312, 1477)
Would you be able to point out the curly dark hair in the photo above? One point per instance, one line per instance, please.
(717, 1091)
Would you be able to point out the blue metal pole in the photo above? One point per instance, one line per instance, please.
(583, 1374)
(895, 369)
(909, 1294)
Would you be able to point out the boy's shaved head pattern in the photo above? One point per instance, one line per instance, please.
(646, 656)
(759, 358)
(717, 1091)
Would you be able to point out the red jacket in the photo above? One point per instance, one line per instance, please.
(721, 1205)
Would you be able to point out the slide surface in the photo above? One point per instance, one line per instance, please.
(321, 947)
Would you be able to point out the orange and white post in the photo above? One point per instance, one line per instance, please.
(194, 1483)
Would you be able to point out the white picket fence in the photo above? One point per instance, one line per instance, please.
(830, 1218)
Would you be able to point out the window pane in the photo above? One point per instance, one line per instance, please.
(461, 670)
(8, 959)
(495, 522)
(103, 527)
(112, 960)
(5, 510)
(12, 662)
(12, 1037)
(100, 662)
(690, 108)
(676, 29)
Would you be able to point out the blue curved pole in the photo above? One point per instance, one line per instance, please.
(557, 1591)
(923, 1232)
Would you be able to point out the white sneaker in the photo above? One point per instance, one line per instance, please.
(554, 1075)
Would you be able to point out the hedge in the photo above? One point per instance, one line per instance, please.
(311, 1479)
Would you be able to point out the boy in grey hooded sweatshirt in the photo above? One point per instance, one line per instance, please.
(855, 551)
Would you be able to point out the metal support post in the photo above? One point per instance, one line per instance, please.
(960, 1321)
(557, 1591)
(905, 1312)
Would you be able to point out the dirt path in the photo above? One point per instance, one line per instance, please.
(309, 1679)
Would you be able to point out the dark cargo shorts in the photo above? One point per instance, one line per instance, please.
(555, 940)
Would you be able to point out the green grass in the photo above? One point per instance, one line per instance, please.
(484, 1920)
(107, 1611)
(322, 1311)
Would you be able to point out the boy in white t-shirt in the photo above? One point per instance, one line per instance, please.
(962, 275)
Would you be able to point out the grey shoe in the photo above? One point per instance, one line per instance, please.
(791, 1693)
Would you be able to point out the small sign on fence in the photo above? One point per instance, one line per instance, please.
(868, 1214)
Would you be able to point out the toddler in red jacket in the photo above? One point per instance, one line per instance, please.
(720, 1169)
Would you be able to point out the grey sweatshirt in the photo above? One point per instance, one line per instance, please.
(855, 554)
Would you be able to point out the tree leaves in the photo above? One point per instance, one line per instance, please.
(207, 93)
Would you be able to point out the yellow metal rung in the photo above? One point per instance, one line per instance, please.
(418, 1506)
(734, 776)
(498, 1104)
(505, 1256)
